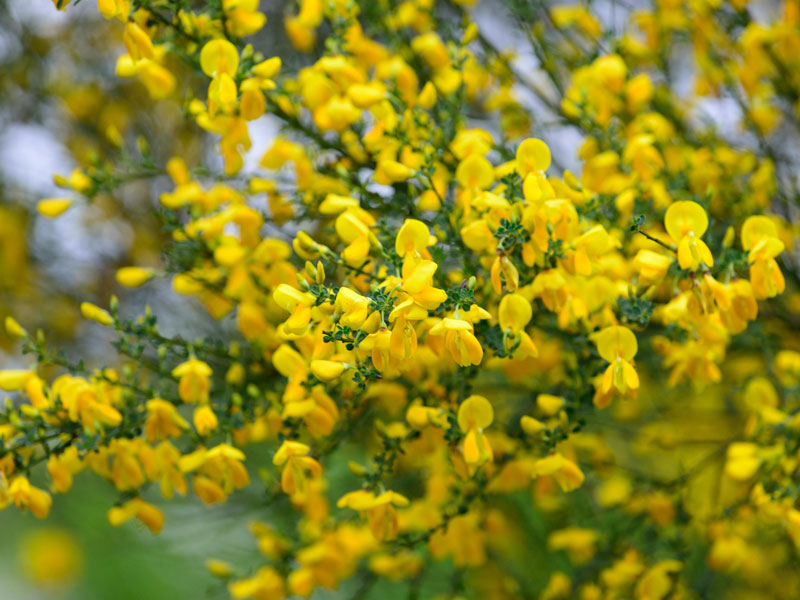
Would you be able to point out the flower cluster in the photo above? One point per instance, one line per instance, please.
(485, 337)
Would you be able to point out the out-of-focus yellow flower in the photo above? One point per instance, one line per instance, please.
(194, 380)
(53, 207)
(94, 313)
(148, 514)
(51, 557)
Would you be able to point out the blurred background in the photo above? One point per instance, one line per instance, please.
(62, 108)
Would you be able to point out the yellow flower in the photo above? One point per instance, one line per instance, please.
(62, 467)
(219, 471)
(514, 314)
(403, 339)
(137, 42)
(742, 461)
(53, 207)
(24, 495)
(163, 421)
(380, 509)
(267, 583)
(219, 568)
(327, 370)
(194, 383)
(427, 96)
(413, 237)
(686, 222)
(549, 405)
(51, 557)
(219, 57)
(391, 171)
(760, 239)
(111, 9)
(590, 245)
(475, 172)
(461, 343)
(242, 17)
(420, 417)
(658, 581)
(578, 542)
(148, 514)
(14, 329)
(566, 473)
(12, 380)
(297, 466)
(531, 426)
(474, 415)
(268, 69)
(366, 95)
(96, 314)
(532, 155)
(89, 404)
(134, 277)
(205, 420)
(651, 266)
(356, 234)
(617, 345)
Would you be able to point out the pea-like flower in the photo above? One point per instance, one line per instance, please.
(617, 345)
(460, 341)
(474, 415)
(686, 222)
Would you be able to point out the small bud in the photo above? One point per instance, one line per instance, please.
(327, 370)
(14, 329)
(235, 374)
(142, 145)
(472, 282)
(219, 568)
(133, 277)
(470, 34)
(302, 283)
(730, 238)
(28, 411)
(96, 314)
(356, 469)
(12, 380)
(571, 180)
(53, 207)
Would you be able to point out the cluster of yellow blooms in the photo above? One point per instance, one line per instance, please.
(447, 300)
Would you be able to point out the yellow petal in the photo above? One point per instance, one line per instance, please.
(327, 370)
(219, 56)
(475, 412)
(615, 341)
(532, 155)
(475, 172)
(684, 217)
(515, 312)
(53, 207)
